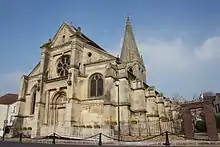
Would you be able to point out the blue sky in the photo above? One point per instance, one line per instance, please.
(179, 39)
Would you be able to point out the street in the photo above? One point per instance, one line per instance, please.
(17, 144)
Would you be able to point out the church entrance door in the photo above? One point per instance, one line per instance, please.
(59, 107)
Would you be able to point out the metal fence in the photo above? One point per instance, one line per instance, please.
(141, 128)
(149, 128)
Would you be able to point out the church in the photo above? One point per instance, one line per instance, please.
(79, 89)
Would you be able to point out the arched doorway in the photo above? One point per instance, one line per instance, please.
(58, 111)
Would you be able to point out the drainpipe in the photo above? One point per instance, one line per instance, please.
(6, 120)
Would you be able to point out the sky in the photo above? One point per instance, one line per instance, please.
(179, 39)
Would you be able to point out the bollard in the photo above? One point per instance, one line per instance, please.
(167, 143)
(54, 135)
(100, 139)
(3, 136)
(20, 137)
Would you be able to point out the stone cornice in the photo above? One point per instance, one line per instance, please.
(93, 99)
(160, 94)
(56, 79)
(47, 44)
(115, 104)
(139, 111)
(99, 62)
(73, 98)
(40, 103)
(62, 52)
(34, 76)
(115, 78)
(151, 88)
(160, 102)
(152, 115)
(60, 45)
(150, 96)
(21, 100)
(138, 88)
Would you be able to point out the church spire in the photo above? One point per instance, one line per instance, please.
(129, 50)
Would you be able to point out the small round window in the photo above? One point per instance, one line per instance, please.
(63, 65)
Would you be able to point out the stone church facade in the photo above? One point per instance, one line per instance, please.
(74, 89)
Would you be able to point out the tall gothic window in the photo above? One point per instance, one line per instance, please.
(63, 66)
(33, 102)
(96, 85)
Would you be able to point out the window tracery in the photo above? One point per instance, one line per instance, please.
(63, 65)
(96, 85)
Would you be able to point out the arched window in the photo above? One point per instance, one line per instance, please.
(63, 65)
(96, 85)
(33, 102)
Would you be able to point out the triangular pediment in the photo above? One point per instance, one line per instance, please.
(63, 34)
(35, 71)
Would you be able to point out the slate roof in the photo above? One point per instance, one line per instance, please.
(8, 99)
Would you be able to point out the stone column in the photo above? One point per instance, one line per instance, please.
(47, 97)
(123, 100)
(160, 105)
(106, 120)
(109, 99)
(138, 97)
(20, 104)
(187, 120)
(21, 96)
(152, 111)
(39, 108)
(210, 122)
(37, 119)
(151, 105)
(167, 106)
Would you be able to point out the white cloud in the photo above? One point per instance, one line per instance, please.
(209, 50)
(174, 66)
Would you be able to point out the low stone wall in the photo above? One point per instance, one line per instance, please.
(79, 132)
(87, 132)
(134, 129)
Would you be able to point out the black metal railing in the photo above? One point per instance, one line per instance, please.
(99, 140)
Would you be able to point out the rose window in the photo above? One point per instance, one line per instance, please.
(63, 66)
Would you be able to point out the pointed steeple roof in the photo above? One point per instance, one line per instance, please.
(129, 50)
